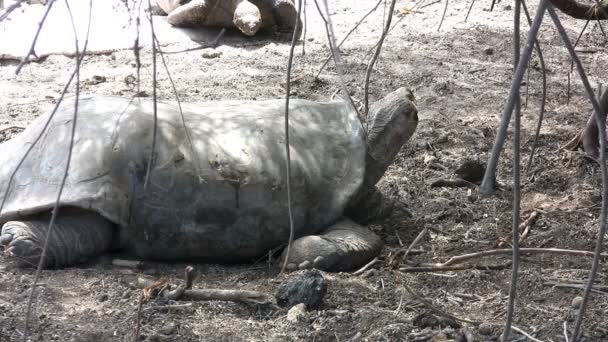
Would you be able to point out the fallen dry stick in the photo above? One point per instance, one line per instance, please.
(415, 269)
(525, 226)
(507, 251)
(181, 293)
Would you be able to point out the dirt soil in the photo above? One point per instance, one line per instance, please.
(460, 77)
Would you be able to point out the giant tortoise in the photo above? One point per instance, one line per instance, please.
(217, 187)
(249, 16)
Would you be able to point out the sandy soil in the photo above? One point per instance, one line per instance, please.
(460, 77)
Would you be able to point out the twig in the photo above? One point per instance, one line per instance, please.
(566, 331)
(366, 267)
(10, 9)
(431, 268)
(370, 66)
(154, 102)
(469, 11)
(348, 35)
(305, 27)
(195, 156)
(445, 9)
(580, 35)
(11, 127)
(600, 117)
(68, 162)
(543, 100)
(189, 276)
(488, 184)
(294, 39)
(25, 59)
(435, 309)
(338, 62)
(521, 331)
(466, 257)
(245, 296)
(138, 318)
(251, 297)
(525, 226)
(595, 289)
(415, 242)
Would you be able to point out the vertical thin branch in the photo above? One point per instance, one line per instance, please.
(137, 47)
(294, 39)
(181, 112)
(543, 101)
(488, 184)
(445, 10)
(370, 66)
(337, 61)
(580, 35)
(600, 118)
(67, 166)
(305, 27)
(154, 100)
(516, 181)
(469, 11)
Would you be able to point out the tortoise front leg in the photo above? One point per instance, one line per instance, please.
(343, 246)
(76, 236)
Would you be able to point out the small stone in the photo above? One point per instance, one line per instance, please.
(486, 329)
(297, 313)
(211, 54)
(103, 297)
(507, 8)
(576, 302)
(307, 287)
(488, 51)
(168, 329)
(311, 39)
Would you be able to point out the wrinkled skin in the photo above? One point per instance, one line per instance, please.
(217, 188)
(249, 16)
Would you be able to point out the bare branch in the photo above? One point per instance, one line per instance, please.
(154, 101)
(370, 66)
(294, 39)
(516, 183)
(55, 211)
(49, 6)
(7, 12)
(348, 35)
(600, 117)
(487, 187)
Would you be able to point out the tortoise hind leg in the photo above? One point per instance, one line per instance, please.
(343, 246)
(76, 236)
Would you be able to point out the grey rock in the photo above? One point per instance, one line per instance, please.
(306, 287)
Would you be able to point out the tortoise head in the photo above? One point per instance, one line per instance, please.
(247, 17)
(391, 123)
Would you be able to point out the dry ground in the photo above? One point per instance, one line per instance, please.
(460, 77)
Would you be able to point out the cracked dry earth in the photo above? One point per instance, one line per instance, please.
(460, 76)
